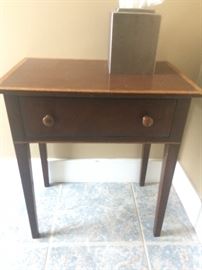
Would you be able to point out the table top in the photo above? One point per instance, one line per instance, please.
(38, 75)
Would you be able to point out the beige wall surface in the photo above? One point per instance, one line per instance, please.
(80, 29)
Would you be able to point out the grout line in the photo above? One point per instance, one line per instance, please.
(52, 229)
(141, 228)
(125, 244)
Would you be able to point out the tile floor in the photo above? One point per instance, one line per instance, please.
(95, 226)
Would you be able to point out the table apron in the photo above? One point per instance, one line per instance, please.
(59, 119)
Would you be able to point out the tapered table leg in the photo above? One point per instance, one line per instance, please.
(24, 164)
(145, 158)
(44, 163)
(168, 167)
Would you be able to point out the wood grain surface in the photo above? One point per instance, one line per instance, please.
(91, 76)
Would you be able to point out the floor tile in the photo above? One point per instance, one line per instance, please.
(97, 258)
(97, 212)
(95, 226)
(80, 194)
(175, 257)
(46, 201)
(15, 225)
(22, 257)
(176, 226)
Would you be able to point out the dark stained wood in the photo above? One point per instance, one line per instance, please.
(14, 116)
(91, 76)
(145, 158)
(44, 163)
(24, 164)
(78, 101)
(92, 118)
(168, 167)
(179, 120)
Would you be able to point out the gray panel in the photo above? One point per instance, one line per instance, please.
(134, 39)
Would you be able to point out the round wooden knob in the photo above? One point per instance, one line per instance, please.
(147, 121)
(48, 120)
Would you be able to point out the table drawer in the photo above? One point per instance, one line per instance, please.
(52, 117)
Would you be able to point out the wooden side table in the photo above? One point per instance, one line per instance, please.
(61, 100)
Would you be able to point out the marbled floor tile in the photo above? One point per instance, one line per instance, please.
(176, 226)
(175, 257)
(17, 257)
(97, 224)
(14, 226)
(74, 195)
(16, 229)
(46, 202)
(97, 258)
(97, 212)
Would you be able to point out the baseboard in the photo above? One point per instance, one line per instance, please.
(102, 170)
(86, 170)
(189, 199)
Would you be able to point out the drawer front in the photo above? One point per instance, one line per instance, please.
(52, 118)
